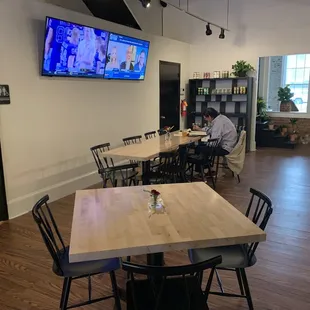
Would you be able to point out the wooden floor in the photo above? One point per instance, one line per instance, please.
(280, 279)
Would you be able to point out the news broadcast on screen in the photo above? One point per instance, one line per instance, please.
(126, 58)
(74, 50)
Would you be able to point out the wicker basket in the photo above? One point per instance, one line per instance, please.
(286, 106)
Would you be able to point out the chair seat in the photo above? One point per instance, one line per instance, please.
(198, 159)
(174, 295)
(84, 268)
(154, 177)
(234, 256)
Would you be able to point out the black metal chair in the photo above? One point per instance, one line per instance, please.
(171, 166)
(150, 135)
(108, 171)
(167, 288)
(60, 255)
(239, 257)
(132, 140)
(161, 132)
(180, 166)
(204, 159)
(164, 173)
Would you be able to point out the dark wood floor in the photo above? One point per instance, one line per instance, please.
(280, 279)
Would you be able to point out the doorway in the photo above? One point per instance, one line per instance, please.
(169, 90)
(3, 203)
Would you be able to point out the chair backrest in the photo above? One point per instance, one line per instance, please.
(132, 140)
(167, 160)
(101, 161)
(161, 132)
(183, 153)
(158, 276)
(259, 211)
(150, 135)
(239, 130)
(51, 236)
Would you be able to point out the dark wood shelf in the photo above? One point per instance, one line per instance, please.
(219, 101)
(226, 114)
(223, 101)
(271, 138)
(235, 114)
(221, 79)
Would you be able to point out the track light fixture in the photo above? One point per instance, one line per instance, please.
(222, 34)
(208, 30)
(145, 3)
(163, 4)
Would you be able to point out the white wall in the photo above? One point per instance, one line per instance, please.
(74, 5)
(50, 124)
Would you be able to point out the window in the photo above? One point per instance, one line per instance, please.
(296, 72)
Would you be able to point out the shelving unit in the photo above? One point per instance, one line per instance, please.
(238, 107)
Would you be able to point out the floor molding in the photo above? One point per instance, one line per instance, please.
(24, 204)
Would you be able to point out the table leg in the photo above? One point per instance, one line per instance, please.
(155, 259)
(146, 168)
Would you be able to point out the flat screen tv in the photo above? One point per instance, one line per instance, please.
(126, 58)
(73, 50)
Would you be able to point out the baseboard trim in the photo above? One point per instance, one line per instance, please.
(24, 204)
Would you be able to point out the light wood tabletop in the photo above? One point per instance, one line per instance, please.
(150, 148)
(115, 222)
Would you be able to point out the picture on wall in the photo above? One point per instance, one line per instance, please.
(4, 94)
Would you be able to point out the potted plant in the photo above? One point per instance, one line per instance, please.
(283, 130)
(293, 122)
(284, 96)
(293, 137)
(271, 126)
(241, 68)
(261, 105)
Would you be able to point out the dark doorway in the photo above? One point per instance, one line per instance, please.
(169, 88)
(3, 203)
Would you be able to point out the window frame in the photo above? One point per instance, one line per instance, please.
(306, 85)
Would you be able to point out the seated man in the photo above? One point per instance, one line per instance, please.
(221, 128)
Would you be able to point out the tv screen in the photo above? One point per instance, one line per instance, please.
(126, 58)
(73, 50)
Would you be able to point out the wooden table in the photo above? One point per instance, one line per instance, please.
(149, 149)
(115, 222)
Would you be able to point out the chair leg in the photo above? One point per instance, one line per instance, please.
(202, 171)
(217, 167)
(128, 258)
(219, 281)
(115, 291)
(89, 288)
(238, 176)
(208, 286)
(247, 289)
(240, 281)
(65, 293)
(192, 172)
(210, 172)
